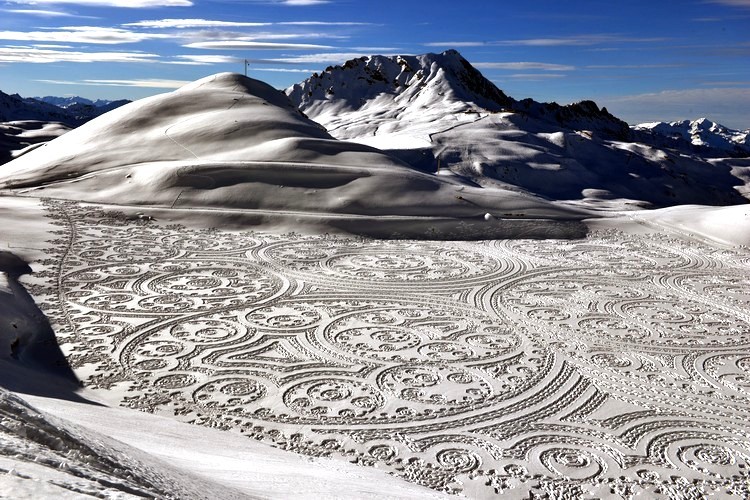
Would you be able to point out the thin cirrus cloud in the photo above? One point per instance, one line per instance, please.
(717, 103)
(732, 3)
(255, 45)
(44, 13)
(212, 23)
(535, 77)
(41, 56)
(323, 23)
(147, 83)
(579, 41)
(204, 60)
(524, 66)
(127, 4)
(303, 3)
(635, 66)
(285, 70)
(325, 58)
(80, 34)
(575, 41)
(291, 3)
(193, 23)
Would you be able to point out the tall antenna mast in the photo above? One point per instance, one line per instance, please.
(247, 63)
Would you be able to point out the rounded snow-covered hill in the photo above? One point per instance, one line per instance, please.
(231, 142)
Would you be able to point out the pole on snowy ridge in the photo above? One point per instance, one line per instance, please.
(247, 63)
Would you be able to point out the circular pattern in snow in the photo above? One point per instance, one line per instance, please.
(561, 368)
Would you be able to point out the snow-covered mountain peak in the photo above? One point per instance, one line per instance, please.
(392, 92)
(427, 79)
(386, 95)
(66, 102)
(701, 133)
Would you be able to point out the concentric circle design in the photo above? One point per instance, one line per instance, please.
(229, 394)
(333, 399)
(646, 315)
(612, 366)
(379, 262)
(436, 385)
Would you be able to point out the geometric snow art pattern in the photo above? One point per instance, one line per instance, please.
(616, 366)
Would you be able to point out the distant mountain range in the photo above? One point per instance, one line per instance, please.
(71, 111)
(28, 122)
(67, 102)
(702, 133)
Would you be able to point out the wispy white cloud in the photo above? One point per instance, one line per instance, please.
(284, 70)
(41, 56)
(520, 66)
(206, 59)
(578, 40)
(727, 83)
(253, 45)
(44, 13)
(728, 106)
(582, 40)
(377, 50)
(634, 66)
(323, 23)
(303, 3)
(128, 4)
(80, 34)
(52, 46)
(732, 3)
(192, 23)
(455, 44)
(148, 83)
(535, 77)
(327, 58)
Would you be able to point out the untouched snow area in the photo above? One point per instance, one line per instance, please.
(186, 310)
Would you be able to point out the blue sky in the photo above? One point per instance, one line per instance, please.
(644, 60)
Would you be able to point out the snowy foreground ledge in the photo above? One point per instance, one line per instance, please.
(611, 366)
